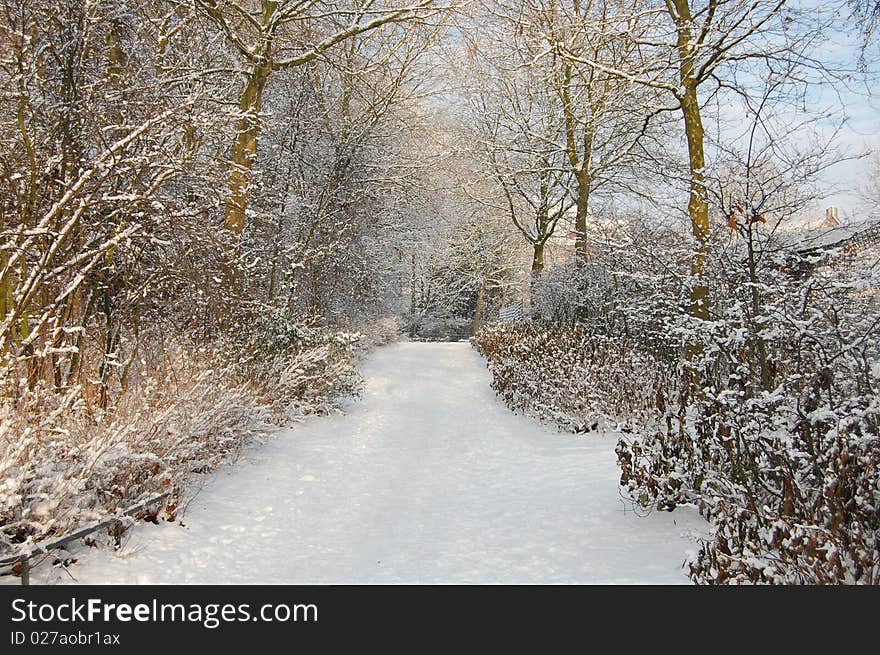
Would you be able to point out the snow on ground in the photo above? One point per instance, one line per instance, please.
(427, 478)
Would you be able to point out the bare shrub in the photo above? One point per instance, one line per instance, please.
(573, 378)
(64, 462)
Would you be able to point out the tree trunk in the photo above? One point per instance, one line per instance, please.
(698, 205)
(412, 287)
(538, 259)
(537, 270)
(583, 210)
(481, 303)
(581, 168)
(117, 59)
(244, 149)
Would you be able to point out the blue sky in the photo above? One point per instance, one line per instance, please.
(860, 133)
(859, 102)
(849, 105)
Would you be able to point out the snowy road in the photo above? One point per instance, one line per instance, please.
(426, 478)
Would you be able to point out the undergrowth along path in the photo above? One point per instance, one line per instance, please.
(427, 478)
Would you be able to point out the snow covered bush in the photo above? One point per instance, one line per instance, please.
(432, 328)
(573, 378)
(145, 335)
(65, 461)
(779, 445)
(294, 370)
(381, 331)
(597, 350)
(764, 417)
(627, 287)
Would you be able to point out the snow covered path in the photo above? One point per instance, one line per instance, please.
(427, 478)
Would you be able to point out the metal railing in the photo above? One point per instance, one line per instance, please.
(115, 524)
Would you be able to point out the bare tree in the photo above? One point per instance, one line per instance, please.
(686, 47)
(867, 15)
(516, 131)
(603, 120)
(272, 35)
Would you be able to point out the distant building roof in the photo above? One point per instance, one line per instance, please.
(805, 240)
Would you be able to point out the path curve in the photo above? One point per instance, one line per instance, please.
(427, 478)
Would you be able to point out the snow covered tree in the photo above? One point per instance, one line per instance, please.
(516, 130)
(272, 35)
(688, 47)
(594, 122)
